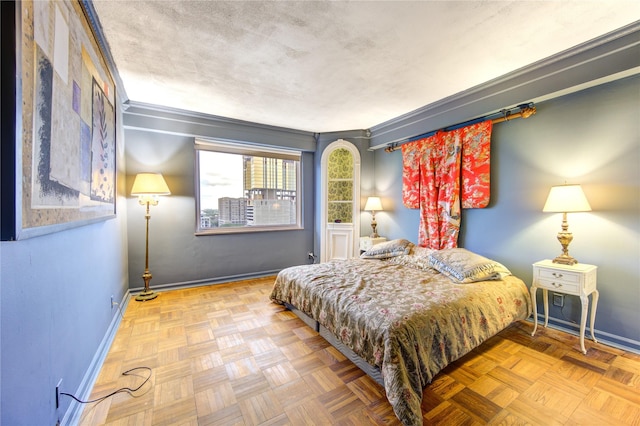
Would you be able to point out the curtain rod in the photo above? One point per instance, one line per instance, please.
(521, 111)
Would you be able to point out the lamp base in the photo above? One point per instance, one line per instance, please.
(146, 295)
(374, 226)
(565, 259)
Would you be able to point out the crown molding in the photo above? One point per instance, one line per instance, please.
(174, 121)
(613, 55)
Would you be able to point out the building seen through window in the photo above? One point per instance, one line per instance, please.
(240, 190)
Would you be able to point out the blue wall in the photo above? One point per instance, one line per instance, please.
(55, 289)
(55, 313)
(591, 137)
(162, 140)
(56, 295)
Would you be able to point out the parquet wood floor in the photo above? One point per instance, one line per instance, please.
(225, 355)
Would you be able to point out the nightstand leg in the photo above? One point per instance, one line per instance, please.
(545, 303)
(584, 300)
(594, 305)
(535, 310)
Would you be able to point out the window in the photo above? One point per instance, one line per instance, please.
(245, 188)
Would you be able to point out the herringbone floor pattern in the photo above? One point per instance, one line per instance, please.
(225, 355)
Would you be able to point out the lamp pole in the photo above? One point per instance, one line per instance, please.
(147, 294)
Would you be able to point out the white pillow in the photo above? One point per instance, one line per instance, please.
(464, 266)
(417, 258)
(388, 249)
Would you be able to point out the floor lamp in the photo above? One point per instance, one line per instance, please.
(148, 186)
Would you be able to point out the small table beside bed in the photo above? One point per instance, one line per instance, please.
(402, 312)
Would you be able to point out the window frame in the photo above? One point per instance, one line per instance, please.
(246, 149)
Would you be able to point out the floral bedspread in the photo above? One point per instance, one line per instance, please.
(409, 322)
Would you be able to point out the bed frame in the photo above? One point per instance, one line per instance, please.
(371, 370)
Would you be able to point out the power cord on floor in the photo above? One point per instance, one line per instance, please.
(116, 304)
(125, 389)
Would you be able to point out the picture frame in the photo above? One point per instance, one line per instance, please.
(65, 121)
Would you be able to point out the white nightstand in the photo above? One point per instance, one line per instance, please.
(577, 280)
(367, 242)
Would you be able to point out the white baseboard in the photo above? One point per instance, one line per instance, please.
(207, 281)
(603, 337)
(74, 412)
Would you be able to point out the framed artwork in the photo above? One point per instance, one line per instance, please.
(66, 165)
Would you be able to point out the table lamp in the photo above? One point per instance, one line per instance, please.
(373, 204)
(565, 199)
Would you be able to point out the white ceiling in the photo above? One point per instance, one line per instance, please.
(335, 65)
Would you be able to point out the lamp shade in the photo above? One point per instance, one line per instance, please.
(566, 198)
(373, 204)
(149, 184)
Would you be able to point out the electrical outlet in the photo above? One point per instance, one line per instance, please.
(558, 300)
(58, 393)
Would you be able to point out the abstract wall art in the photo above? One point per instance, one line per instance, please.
(67, 144)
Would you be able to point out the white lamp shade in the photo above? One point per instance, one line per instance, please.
(566, 198)
(373, 204)
(149, 184)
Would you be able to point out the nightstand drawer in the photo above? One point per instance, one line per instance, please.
(367, 242)
(559, 276)
(558, 285)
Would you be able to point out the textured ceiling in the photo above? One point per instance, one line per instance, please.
(328, 66)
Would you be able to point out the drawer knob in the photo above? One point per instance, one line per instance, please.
(556, 285)
(557, 275)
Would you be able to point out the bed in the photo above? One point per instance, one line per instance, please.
(402, 312)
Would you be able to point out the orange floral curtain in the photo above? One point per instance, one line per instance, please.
(442, 174)
(476, 165)
(412, 154)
